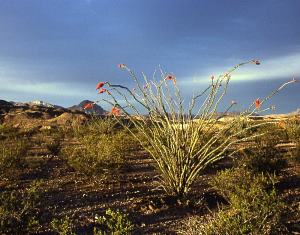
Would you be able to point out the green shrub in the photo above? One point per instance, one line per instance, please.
(12, 156)
(7, 131)
(292, 127)
(54, 147)
(254, 207)
(264, 156)
(96, 126)
(114, 222)
(18, 210)
(63, 226)
(100, 155)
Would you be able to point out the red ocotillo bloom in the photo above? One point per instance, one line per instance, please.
(115, 111)
(121, 66)
(257, 103)
(88, 106)
(99, 85)
(102, 90)
(171, 77)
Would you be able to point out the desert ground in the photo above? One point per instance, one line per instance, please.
(47, 189)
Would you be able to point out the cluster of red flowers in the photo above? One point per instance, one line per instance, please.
(257, 103)
(171, 77)
(101, 90)
(115, 111)
(88, 106)
(99, 85)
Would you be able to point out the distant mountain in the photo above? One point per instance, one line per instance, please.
(96, 108)
(5, 103)
(44, 104)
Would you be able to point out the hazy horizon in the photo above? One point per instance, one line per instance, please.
(57, 51)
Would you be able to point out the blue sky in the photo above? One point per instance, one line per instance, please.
(58, 50)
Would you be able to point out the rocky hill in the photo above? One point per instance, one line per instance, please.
(33, 115)
(41, 113)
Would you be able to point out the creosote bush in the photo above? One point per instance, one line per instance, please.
(12, 156)
(292, 128)
(113, 222)
(254, 207)
(18, 210)
(99, 153)
(54, 147)
(183, 138)
(63, 226)
(264, 155)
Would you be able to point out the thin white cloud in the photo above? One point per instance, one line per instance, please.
(276, 68)
(44, 88)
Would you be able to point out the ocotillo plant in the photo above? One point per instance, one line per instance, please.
(182, 139)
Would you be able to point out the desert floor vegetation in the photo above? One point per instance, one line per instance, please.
(178, 170)
(95, 178)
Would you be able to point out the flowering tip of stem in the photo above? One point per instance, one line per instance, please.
(233, 102)
(88, 106)
(257, 62)
(99, 85)
(121, 66)
(171, 77)
(174, 81)
(102, 90)
(115, 111)
(212, 77)
(257, 103)
(294, 80)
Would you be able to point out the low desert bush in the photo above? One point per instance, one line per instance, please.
(264, 155)
(63, 226)
(18, 210)
(99, 154)
(54, 147)
(254, 207)
(113, 222)
(12, 156)
(292, 128)
(96, 126)
(7, 131)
